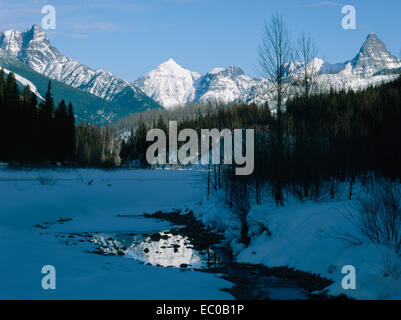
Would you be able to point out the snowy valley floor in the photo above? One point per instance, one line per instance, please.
(307, 236)
(29, 198)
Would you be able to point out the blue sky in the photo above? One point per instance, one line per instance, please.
(131, 37)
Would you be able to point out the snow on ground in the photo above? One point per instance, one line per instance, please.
(307, 236)
(28, 198)
(25, 82)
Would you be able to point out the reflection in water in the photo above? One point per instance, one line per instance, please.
(163, 249)
(169, 249)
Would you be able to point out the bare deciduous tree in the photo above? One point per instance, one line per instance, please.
(276, 63)
(306, 52)
(276, 57)
(378, 216)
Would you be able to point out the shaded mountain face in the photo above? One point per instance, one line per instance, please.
(87, 106)
(170, 84)
(34, 49)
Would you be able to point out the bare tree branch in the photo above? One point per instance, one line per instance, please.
(306, 52)
(276, 57)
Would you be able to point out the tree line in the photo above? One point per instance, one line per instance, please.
(207, 116)
(325, 137)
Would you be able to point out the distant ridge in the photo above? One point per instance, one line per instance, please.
(170, 84)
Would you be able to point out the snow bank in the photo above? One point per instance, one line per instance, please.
(310, 237)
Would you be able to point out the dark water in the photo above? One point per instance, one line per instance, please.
(172, 249)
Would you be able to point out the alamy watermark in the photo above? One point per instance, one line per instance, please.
(349, 20)
(49, 20)
(349, 280)
(189, 152)
(49, 280)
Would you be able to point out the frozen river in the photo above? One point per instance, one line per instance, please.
(42, 212)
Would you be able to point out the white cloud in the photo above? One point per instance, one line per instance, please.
(96, 27)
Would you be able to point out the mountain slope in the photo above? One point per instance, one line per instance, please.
(225, 85)
(87, 106)
(34, 49)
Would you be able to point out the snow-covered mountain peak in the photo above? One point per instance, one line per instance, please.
(230, 71)
(373, 46)
(170, 83)
(10, 42)
(173, 69)
(233, 71)
(216, 70)
(170, 63)
(372, 40)
(36, 34)
(36, 28)
(232, 85)
(33, 48)
(373, 57)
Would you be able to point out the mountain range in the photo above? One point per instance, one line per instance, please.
(101, 97)
(171, 84)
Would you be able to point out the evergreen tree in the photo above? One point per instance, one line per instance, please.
(29, 125)
(46, 115)
(61, 132)
(2, 114)
(70, 144)
(12, 113)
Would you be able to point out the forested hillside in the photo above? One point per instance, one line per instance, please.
(33, 132)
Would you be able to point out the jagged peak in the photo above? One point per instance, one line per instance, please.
(35, 33)
(373, 57)
(235, 69)
(15, 40)
(372, 46)
(229, 71)
(35, 27)
(372, 35)
(9, 33)
(373, 42)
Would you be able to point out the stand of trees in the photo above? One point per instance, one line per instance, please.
(325, 138)
(31, 131)
(41, 133)
(95, 146)
(344, 135)
(211, 116)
